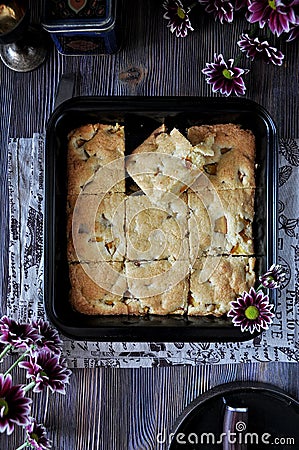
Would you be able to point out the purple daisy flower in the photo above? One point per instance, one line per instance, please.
(224, 77)
(178, 17)
(252, 311)
(278, 14)
(48, 337)
(294, 32)
(37, 437)
(254, 48)
(20, 335)
(47, 370)
(273, 277)
(222, 10)
(14, 406)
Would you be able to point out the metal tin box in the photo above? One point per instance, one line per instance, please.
(82, 27)
(141, 115)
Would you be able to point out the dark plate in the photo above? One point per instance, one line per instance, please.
(141, 115)
(273, 418)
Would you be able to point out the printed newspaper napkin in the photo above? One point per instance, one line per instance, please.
(25, 293)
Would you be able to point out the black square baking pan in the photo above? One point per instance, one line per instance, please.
(141, 116)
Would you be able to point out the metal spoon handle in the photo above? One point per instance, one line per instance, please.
(65, 89)
(234, 428)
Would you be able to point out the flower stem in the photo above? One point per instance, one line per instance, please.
(254, 29)
(6, 350)
(261, 286)
(238, 59)
(192, 5)
(29, 386)
(17, 362)
(23, 446)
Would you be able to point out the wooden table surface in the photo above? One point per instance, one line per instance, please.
(126, 408)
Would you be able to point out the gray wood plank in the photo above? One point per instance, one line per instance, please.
(120, 409)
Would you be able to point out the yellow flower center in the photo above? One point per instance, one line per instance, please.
(3, 407)
(228, 74)
(272, 4)
(252, 312)
(181, 13)
(34, 436)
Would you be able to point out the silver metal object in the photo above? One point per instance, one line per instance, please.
(234, 427)
(25, 54)
(65, 89)
(22, 47)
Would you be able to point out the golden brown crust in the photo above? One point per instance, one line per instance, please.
(150, 144)
(91, 148)
(97, 288)
(154, 232)
(161, 163)
(216, 281)
(220, 222)
(232, 164)
(95, 227)
(114, 266)
(151, 292)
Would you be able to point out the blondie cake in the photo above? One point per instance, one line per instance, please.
(155, 233)
(216, 281)
(164, 163)
(183, 244)
(220, 222)
(95, 227)
(91, 148)
(230, 164)
(152, 290)
(98, 288)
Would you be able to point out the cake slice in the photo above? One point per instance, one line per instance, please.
(163, 163)
(220, 222)
(96, 159)
(95, 227)
(216, 281)
(157, 287)
(154, 232)
(230, 164)
(98, 288)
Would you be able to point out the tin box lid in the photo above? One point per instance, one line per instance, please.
(78, 15)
